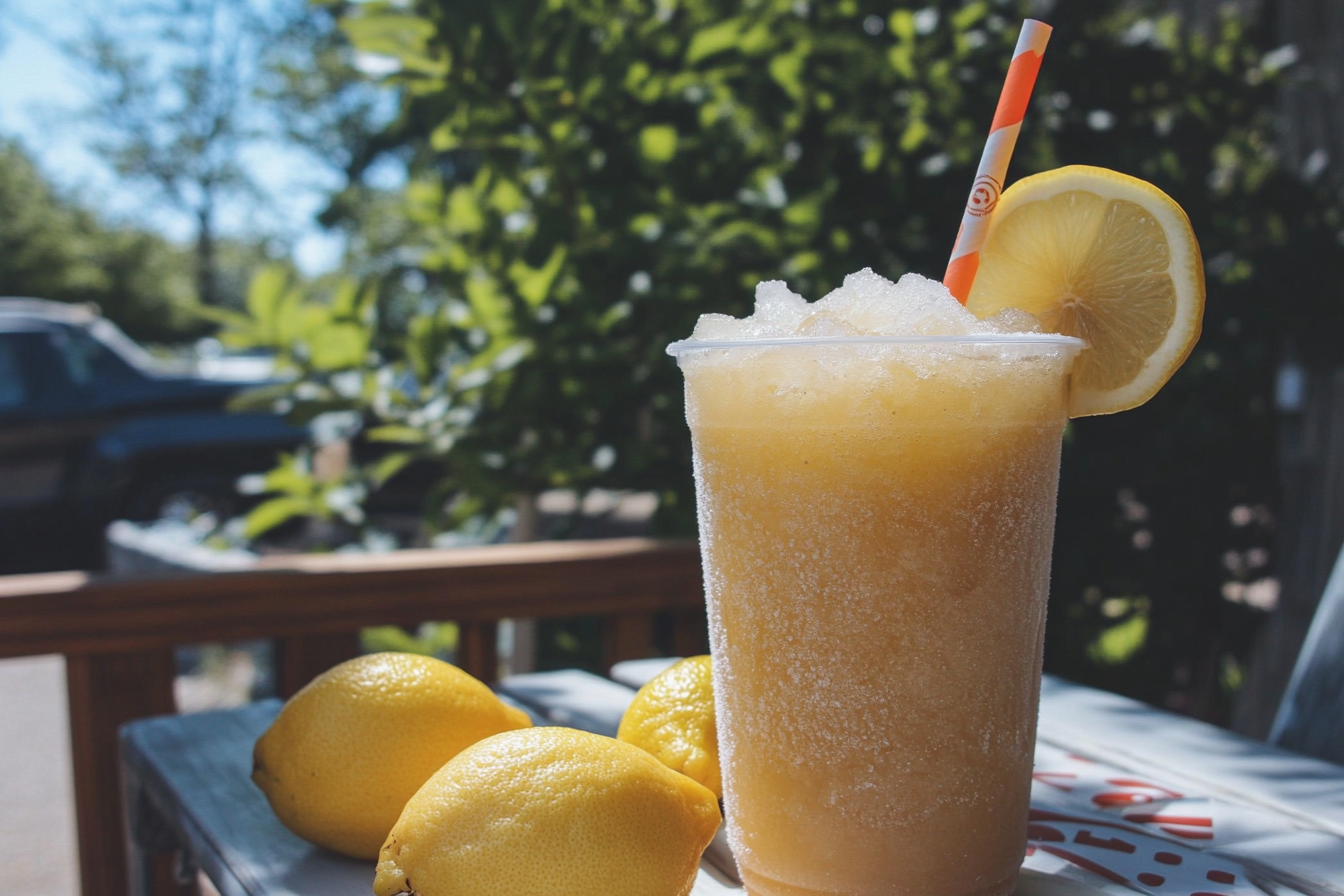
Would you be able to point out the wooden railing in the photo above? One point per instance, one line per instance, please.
(117, 634)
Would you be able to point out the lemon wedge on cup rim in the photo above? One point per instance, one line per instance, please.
(1108, 258)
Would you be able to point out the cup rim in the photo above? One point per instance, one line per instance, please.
(686, 346)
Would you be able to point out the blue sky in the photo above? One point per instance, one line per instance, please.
(40, 95)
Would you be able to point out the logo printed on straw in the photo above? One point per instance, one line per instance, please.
(984, 196)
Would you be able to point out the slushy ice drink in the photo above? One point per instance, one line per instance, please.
(876, 510)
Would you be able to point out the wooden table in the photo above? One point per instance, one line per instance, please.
(1275, 818)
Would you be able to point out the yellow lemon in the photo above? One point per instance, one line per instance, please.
(347, 751)
(673, 718)
(1105, 257)
(549, 811)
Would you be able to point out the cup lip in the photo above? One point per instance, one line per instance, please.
(686, 346)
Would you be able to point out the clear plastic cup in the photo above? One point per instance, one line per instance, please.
(876, 517)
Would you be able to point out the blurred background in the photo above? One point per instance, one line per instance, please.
(356, 277)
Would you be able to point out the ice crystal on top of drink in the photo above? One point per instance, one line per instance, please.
(867, 304)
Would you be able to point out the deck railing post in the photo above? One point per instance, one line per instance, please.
(689, 634)
(300, 659)
(628, 636)
(477, 650)
(105, 691)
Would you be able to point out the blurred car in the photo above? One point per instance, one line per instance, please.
(93, 428)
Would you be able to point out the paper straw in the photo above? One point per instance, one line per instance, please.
(993, 168)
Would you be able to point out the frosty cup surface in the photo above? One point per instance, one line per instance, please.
(876, 517)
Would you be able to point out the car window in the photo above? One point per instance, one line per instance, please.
(13, 386)
(87, 361)
(123, 346)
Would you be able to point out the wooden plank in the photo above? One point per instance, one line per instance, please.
(105, 692)
(690, 635)
(477, 650)
(302, 658)
(77, 613)
(627, 636)
(195, 769)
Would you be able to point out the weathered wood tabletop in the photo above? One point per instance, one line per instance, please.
(188, 788)
(1260, 820)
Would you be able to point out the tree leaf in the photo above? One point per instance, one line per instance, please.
(969, 14)
(390, 466)
(338, 346)
(289, 479)
(262, 398)
(714, 39)
(404, 435)
(756, 39)
(403, 37)
(346, 301)
(1119, 643)
(269, 514)
(658, 142)
(534, 284)
(902, 59)
(902, 25)
(911, 139)
(506, 196)
(787, 71)
(490, 306)
(464, 211)
(265, 295)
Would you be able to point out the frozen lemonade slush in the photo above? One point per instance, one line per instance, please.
(876, 477)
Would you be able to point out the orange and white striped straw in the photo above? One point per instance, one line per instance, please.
(993, 168)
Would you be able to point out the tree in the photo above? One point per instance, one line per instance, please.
(173, 89)
(330, 107)
(596, 173)
(52, 248)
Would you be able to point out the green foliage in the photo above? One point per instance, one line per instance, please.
(186, 121)
(339, 369)
(52, 248)
(1118, 643)
(437, 639)
(312, 337)
(618, 168)
(299, 488)
(592, 175)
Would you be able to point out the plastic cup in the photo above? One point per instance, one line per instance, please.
(876, 517)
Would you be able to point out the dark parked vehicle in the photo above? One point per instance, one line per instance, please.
(92, 429)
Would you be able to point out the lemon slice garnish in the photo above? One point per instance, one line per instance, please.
(1105, 257)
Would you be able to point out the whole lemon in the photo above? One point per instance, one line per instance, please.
(347, 751)
(673, 718)
(549, 811)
